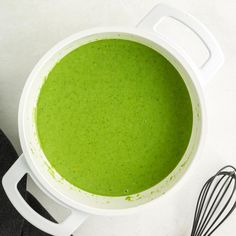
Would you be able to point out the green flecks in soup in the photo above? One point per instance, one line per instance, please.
(114, 117)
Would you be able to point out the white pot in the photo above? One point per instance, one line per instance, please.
(33, 161)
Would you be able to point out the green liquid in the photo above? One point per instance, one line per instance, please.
(114, 117)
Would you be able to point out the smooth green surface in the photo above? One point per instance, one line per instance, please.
(114, 117)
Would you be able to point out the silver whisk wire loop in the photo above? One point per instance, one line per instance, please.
(216, 202)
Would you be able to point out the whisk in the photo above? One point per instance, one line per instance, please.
(216, 202)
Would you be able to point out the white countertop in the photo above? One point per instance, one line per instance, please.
(29, 28)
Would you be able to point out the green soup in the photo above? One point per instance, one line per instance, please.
(114, 117)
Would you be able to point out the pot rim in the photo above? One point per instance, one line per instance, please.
(174, 51)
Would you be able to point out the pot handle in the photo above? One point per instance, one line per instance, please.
(10, 181)
(215, 59)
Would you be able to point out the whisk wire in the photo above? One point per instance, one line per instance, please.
(231, 210)
(200, 204)
(206, 188)
(214, 201)
(212, 209)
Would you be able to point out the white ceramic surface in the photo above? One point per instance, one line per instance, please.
(150, 225)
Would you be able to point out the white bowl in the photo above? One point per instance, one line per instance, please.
(82, 203)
